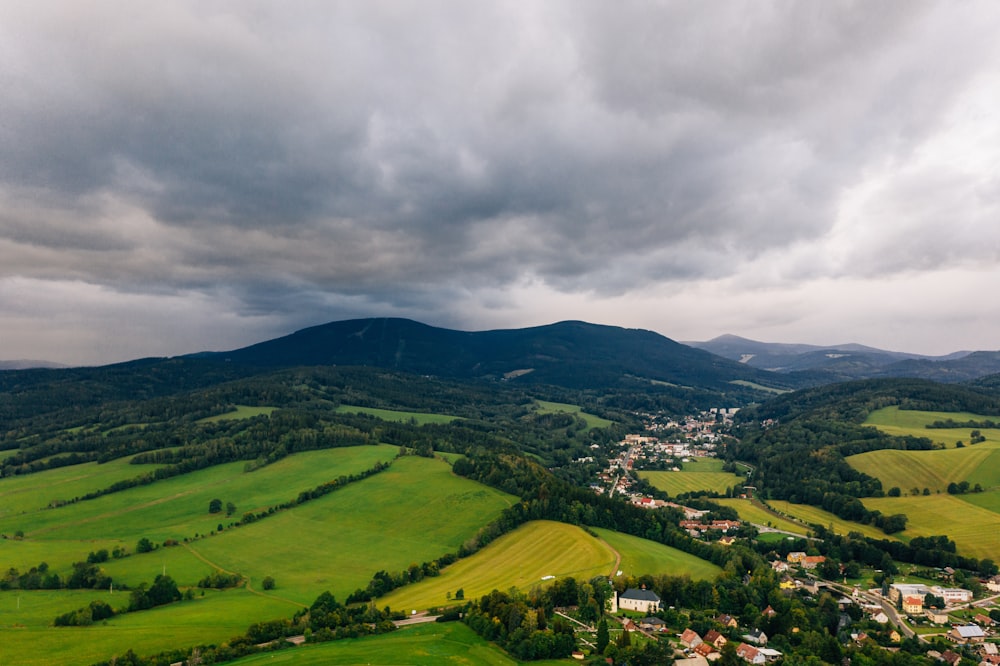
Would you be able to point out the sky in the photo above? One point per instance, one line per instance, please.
(202, 175)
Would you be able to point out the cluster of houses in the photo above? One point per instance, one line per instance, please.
(753, 648)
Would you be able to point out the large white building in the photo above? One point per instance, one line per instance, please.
(642, 601)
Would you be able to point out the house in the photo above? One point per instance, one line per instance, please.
(715, 638)
(880, 617)
(652, 624)
(629, 625)
(690, 638)
(769, 612)
(787, 584)
(780, 566)
(642, 601)
(770, 655)
(894, 636)
(989, 650)
(727, 621)
(749, 654)
(757, 637)
(937, 617)
(967, 633)
(983, 620)
(727, 541)
(795, 556)
(812, 561)
(705, 650)
(950, 657)
(913, 605)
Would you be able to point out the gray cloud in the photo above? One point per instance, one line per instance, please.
(300, 162)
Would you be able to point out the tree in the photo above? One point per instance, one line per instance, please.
(602, 636)
(215, 506)
(268, 583)
(460, 593)
(230, 508)
(144, 545)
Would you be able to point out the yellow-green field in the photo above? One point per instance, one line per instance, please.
(241, 412)
(642, 556)
(974, 529)
(593, 421)
(419, 645)
(400, 417)
(751, 512)
(815, 516)
(934, 470)
(519, 559)
(334, 543)
(698, 474)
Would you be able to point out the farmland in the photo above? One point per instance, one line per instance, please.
(752, 512)
(519, 559)
(697, 474)
(815, 516)
(240, 412)
(912, 471)
(545, 407)
(642, 556)
(420, 645)
(969, 520)
(388, 519)
(417, 418)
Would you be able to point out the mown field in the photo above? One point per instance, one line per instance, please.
(419, 645)
(332, 543)
(751, 512)
(519, 559)
(642, 556)
(241, 412)
(593, 421)
(697, 474)
(418, 418)
(971, 521)
(813, 515)
(915, 470)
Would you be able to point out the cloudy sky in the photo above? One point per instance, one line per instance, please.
(191, 175)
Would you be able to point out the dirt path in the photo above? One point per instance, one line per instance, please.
(618, 558)
(248, 586)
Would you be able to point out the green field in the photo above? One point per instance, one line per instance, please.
(815, 516)
(754, 513)
(419, 645)
(971, 521)
(418, 418)
(697, 474)
(242, 412)
(332, 543)
(934, 470)
(519, 559)
(642, 556)
(545, 407)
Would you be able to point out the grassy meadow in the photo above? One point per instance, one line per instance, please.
(697, 474)
(420, 645)
(335, 543)
(813, 515)
(545, 407)
(642, 556)
(519, 559)
(241, 412)
(752, 512)
(971, 521)
(418, 418)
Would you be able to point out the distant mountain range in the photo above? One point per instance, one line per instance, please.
(25, 364)
(813, 364)
(571, 353)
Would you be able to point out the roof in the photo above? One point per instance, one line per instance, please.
(970, 631)
(639, 595)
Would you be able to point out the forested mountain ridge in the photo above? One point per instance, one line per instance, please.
(571, 353)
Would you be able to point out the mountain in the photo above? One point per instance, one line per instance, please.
(26, 364)
(814, 364)
(570, 353)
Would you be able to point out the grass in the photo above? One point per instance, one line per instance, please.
(971, 521)
(754, 512)
(759, 387)
(519, 559)
(812, 515)
(418, 418)
(414, 512)
(419, 645)
(698, 474)
(333, 543)
(241, 412)
(546, 407)
(642, 556)
(935, 469)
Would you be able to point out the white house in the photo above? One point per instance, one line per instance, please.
(642, 601)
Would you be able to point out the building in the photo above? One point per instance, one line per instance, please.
(913, 605)
(749, 654)
(690, 638)
(641, 601)
(967, 633)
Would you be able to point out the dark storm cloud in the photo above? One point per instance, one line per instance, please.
(400, 157)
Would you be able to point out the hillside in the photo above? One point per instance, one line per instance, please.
(814, 364)
(573, 354)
